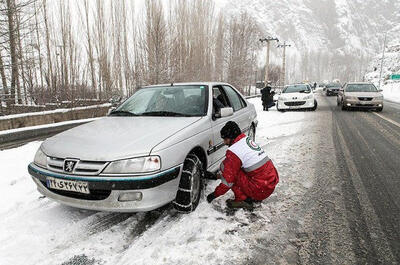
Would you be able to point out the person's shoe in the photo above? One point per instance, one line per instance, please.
(239, 204)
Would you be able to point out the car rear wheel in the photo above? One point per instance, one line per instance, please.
(190, 186)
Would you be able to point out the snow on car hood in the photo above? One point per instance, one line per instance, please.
(113, 138)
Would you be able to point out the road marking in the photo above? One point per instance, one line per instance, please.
(387, 119)
(377, 235)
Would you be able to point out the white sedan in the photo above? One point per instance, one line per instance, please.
(297, 96)
(155, 148)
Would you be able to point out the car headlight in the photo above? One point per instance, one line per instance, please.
(379, 97)
(40, 158)
(134, 165)
(351, 98)
(308, 97)
(281, 98)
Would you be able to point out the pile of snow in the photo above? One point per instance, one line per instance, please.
(48, 112)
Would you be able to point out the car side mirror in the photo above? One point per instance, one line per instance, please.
(224, 112)
(380, 90)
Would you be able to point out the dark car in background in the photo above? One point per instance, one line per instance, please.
(332, 89)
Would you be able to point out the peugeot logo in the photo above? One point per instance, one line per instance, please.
(69, 165)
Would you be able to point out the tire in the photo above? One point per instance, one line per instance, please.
(252, 133)
(343, 106)
(379, 109)
(315, 106)
(278, 109)
(190, 185)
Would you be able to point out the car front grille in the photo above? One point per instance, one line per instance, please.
(365, 105)
(364, 98)
(81, 167)
(95, 195)
(295, 103)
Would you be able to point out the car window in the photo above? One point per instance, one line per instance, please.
(234, 98)
(219, 97)
(296, 89)
(178, 100)
(361, 88)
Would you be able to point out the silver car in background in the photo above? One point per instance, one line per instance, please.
(360, 95)
(155, 148)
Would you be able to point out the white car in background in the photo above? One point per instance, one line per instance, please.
(297, 96)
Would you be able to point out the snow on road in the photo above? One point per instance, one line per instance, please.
(35, 230)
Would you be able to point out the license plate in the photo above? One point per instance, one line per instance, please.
(68, 185)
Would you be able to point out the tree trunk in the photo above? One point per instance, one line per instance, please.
(13, 53)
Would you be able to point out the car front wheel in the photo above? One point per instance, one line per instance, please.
(190, 185)
(315, 106)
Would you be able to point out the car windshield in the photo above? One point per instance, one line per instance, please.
(183, 101)
(333, 85)
(361, 88)
(297, 89)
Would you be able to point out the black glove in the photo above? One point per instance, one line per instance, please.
(211, 197)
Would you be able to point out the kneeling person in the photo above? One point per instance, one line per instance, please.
(246, 170)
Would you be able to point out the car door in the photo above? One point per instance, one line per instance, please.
(218, 149)
(241, 115)
(232, 99)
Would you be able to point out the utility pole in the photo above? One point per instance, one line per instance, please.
(383, 58)
(267, 40)
(283, 70)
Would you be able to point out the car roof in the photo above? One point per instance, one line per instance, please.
(359, 83)
(304, 84)
(189, 83)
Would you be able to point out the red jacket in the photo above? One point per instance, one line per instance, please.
(259, 182)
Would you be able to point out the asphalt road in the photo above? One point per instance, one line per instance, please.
(354, 206)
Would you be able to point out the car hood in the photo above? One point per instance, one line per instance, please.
(113, 138)
(363, 94)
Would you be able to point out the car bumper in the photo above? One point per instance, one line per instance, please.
(105, 191)
(375, 104)
(309, 103)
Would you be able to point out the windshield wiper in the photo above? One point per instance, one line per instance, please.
(165, 113)
(304, 91)
(122, 113)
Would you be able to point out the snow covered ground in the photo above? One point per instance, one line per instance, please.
(391, 91)
(35, 230)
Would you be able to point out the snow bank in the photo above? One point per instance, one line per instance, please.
(43, 126)
(391, 91)
(52, 111)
